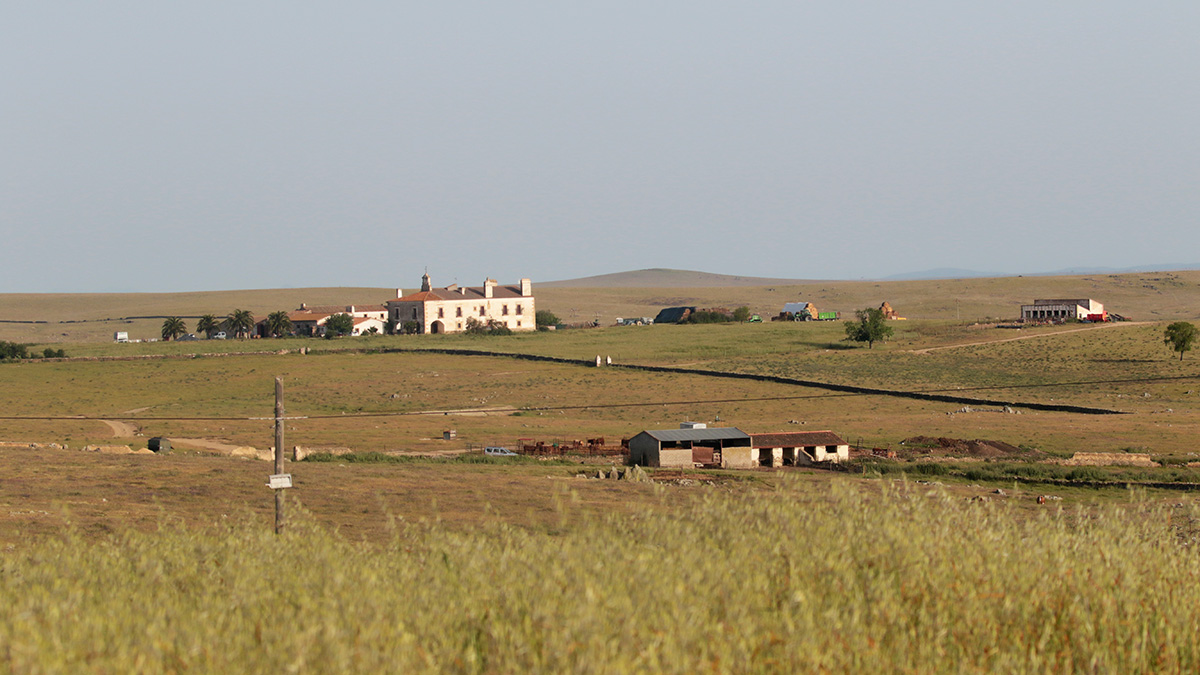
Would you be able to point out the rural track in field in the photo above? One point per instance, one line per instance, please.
(121, 429)
(926, 350)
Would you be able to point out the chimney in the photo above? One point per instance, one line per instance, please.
(526, 288)
(399, 292)
(488, 285)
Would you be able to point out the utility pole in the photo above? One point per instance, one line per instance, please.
(278, 483)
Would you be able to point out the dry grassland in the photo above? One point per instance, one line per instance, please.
(1153, 296)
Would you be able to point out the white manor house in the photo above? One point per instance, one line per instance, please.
(446, 310)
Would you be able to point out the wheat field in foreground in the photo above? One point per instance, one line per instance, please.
(788, 580)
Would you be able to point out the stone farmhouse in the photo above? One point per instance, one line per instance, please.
(447, 310)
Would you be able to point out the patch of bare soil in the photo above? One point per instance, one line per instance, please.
(121, 429)
(928, 446)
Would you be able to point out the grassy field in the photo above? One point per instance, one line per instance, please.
(1144, 296)
(839, 576)
(448, 565)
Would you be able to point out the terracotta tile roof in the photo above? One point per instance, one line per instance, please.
(795, 439)
(420, 296)
(463, 294)
(304, 315)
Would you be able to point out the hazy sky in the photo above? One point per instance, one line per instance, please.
(162, 146)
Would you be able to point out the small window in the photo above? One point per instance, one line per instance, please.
(414, 314)
(519, 310)
(458, 312)
(482, 311)
(460, 325)
(518, 324)
(504, 310)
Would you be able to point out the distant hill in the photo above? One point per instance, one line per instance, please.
(667, 278)
(944, 273)
(660, 277)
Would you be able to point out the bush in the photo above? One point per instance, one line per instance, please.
(49, 353)
(545, 318)
(708, 316)
(492, 327)
(12, 351)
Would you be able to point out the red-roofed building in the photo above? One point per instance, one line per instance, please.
(447, 310)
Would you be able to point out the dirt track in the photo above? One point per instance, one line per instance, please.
(1030, 337)
(121, 429)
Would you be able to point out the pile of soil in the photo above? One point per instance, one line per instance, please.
(927, 446)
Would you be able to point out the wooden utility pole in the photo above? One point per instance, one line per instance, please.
(279, 519)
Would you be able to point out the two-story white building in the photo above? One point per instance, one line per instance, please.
(447, 310)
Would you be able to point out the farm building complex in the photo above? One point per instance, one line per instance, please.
(732, 448)
(448, 310)
(1070, 308)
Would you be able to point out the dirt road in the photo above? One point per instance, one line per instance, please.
(1030, 337)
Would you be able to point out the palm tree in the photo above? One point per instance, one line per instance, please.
(279, 324)
(208, 325)
(173, 327)
(240, 321)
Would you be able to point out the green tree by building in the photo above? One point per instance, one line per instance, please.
(871, 327)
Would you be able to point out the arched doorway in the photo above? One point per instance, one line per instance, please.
(437, 327)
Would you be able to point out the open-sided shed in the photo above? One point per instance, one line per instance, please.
(792, 448)
(684, 447)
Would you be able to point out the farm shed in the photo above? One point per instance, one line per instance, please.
(684, 447)
(674, 314)
(796, 448)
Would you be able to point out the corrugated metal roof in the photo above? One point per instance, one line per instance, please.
(795, 439)
(676, 435)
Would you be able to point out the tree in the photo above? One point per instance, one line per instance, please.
(51, 353)
(338, 325)
(173, 327)
(741, 314)
(208, 325)
(240, 321)
(870, 328)
(278, 324)
(410, 327)
(1180, 335)
(13, 351)
(545, 318)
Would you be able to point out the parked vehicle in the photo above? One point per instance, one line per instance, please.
(219, 335)
(828, 316)
(754, 318)
(498, 451)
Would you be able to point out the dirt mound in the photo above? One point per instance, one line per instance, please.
(928, 446)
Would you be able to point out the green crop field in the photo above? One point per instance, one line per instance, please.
(452, 564)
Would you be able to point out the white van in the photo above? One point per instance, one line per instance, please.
(497, 451)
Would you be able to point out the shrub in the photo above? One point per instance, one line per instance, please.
(12, 351)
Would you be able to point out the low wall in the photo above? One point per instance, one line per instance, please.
(739, 458)
(675, 457)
